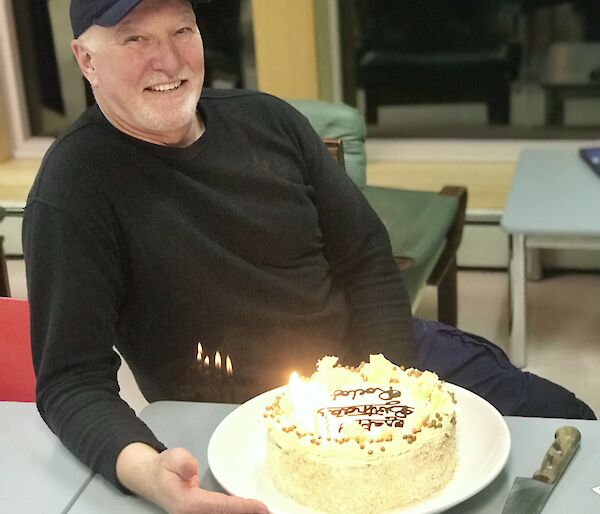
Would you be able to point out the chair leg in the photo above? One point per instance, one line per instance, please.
(498, 108)
(372, 103)
(4, 286)
(447, 295)
(443, 275)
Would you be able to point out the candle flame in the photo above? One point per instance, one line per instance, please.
(218, 361)
(206, 363)
(229, 366)
(294, 380)
(199, 353)
(307, 398)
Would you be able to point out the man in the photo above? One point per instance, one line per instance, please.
(158, 221)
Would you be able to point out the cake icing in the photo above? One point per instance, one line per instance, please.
(361, 440)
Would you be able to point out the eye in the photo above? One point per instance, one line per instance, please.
(134, 39)
(185, 30)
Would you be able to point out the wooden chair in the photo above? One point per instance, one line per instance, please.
(17, 379)
(425, 227)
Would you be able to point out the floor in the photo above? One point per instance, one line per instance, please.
(563, 329)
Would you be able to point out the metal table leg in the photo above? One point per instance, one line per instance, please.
(534, 269)
(517, 276)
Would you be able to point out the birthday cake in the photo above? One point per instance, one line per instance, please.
(362, 440)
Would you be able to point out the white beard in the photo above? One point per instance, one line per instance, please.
(159, 119)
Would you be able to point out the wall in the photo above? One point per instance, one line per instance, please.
(289, 37)
(5, 143)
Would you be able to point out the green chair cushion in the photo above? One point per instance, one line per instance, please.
(416, 221)
(339, 121)
(415, 278)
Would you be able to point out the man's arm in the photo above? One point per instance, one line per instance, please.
(358, 249)
(75, 289)
(170, 479)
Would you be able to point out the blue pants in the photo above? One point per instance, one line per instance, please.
(474, 363)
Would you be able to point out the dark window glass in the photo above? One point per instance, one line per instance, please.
(473, 68)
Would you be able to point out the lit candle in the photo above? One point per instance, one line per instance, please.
(206, 365)
(218, 377)
(199, 358)
(218, 362)
(307, 398)
(230, 396)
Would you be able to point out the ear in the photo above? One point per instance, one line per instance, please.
(85, 61)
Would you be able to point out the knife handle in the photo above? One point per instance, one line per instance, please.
(566, 441)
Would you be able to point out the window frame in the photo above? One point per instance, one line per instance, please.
(24, 145)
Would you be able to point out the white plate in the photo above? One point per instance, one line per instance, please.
(237, 454)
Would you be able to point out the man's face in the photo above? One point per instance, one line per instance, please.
(147, 71)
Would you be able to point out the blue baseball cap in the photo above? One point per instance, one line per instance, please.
(106, 13)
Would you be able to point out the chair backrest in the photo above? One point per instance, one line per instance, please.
(339, 121)
(17, 379)
(432, 26)
(4, 285)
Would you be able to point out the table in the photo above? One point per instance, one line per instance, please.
(531, 438)
(567, 75)
(185, 424)
(37, 473)
(191, 425)
(553, 202)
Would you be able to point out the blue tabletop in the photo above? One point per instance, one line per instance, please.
(192, 424)
(553, 192)
(37, 473)
(184, 424)
(531, 438)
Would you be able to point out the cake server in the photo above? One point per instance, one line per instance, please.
(529, 495)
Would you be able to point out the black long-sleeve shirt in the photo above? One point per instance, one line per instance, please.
(252, 241)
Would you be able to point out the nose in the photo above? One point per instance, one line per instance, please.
(167, 57)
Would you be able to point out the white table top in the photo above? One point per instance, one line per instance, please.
(191, 425)
(37, 473)
(553, 192)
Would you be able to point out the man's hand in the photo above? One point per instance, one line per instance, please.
(170, 479)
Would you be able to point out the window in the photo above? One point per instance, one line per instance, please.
(45, 89)
(491, 69)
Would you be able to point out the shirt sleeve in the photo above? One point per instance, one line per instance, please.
(76, 285)
(358, 249)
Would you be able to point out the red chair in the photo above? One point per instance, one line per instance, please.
(17, 380)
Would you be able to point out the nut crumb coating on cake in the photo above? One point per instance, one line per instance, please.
(380, 437)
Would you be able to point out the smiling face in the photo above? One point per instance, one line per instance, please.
(147, 71)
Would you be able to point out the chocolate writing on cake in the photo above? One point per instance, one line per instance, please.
(384, 394)
(391, 412)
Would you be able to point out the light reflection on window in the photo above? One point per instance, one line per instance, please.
(486, 69)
